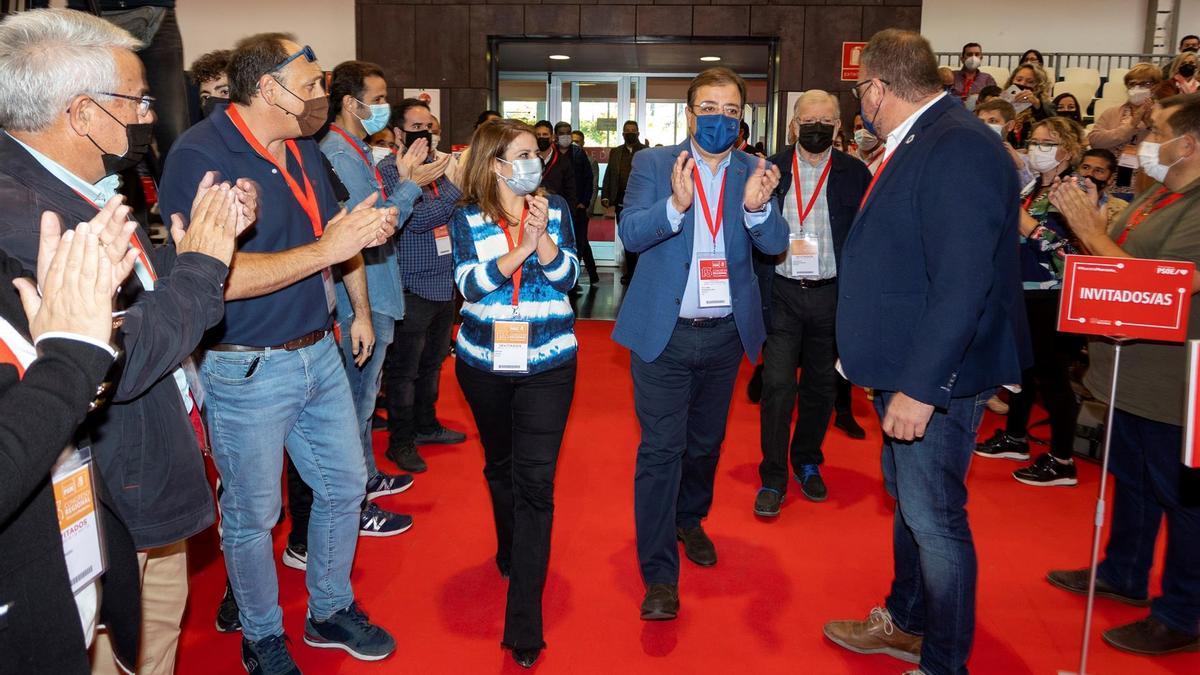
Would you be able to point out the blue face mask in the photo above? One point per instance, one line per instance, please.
(380, 114)
(716, 133)
(869, 122)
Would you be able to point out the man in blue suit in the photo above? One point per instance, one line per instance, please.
(929, 316)
(693, 213)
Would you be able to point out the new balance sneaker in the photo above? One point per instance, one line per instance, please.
(440, 436)
(228, 620)
(811, 483)
(350, 631)
(379, 523)
(1003, 446)
(407, 458)
(1048, 471)
(268, 656)
(384, 484)
(295, 556)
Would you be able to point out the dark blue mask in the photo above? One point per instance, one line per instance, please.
(869, 122)
(716, 133)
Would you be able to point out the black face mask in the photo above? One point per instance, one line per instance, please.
(211, 104)
(815, 137)
(1070, 114)
(138, 138)
(1187, 69)
(631, 139)
(411, 137)
(543, 144)
(1101, 185)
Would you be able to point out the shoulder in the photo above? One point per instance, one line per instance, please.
(783, 158)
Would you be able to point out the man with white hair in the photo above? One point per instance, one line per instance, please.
(818, 195)
(75, 113)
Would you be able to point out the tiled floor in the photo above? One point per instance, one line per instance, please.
(602, 300)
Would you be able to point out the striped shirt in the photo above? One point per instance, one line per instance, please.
(478, 243)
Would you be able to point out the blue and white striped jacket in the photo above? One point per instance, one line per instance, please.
(478, 242)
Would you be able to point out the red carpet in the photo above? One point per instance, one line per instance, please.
(759, 610)
(602, 229)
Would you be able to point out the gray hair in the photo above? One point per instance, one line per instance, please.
(48, 57)
(816, 96)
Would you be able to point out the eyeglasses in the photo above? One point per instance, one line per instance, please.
(145, 103)
(710, 108)
(857, 91)
(815, 120)
(1042, 145)
(305, 51)
(1143, 83)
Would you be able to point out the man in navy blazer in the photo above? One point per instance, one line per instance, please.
(928, 312)
(694, 213)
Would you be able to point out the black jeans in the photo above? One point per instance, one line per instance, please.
(583, 245)
(299, 506)
(1053, 353)
(414, 366)
(802, 336)
(521, 419)
(682, 403)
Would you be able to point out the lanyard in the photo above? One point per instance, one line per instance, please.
(307, 198)
(516, 275)
(800, 207)
(878, 173)
(553, 159)
(713, 228)
(1160, 200)
(134, 241)
(968, 82)
(378, 177)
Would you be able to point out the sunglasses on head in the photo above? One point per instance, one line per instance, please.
(305, 51)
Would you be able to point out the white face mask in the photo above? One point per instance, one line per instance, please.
(1041, 160)
(378, 154)
(564, 140)
(972, 62)
(998, 128)
(434, 141)
(1148, 157)
(1138, 95)
(865, 139)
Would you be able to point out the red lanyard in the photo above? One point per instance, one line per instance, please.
(713, 228)
(133, 240)
(1155, 203)
(516, 276)
(307, 198)
(553, 159)
(354, 144)
(800, 207)
(7, 356)
(878, 173)
(967, 83)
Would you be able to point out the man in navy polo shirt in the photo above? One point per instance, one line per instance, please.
(273, 372)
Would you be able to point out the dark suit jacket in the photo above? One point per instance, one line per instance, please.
(848, 180)
(930, 292)
(651, 305)
(40, 631)
(616, 176)
(581, 166)
(558, 176)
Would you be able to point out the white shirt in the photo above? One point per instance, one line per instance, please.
(901, 132)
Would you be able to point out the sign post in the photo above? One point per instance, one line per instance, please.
(1122, 299)
(1191, 432)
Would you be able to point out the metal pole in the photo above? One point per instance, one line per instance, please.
(1100, 504)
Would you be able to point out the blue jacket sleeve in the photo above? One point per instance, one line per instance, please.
(359, 180)
(643, 221)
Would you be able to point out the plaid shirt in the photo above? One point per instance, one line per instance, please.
(817, 223)
(422, 270)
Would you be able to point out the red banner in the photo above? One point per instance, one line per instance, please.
(852, 60)
(1191, 436)
(1132, 298)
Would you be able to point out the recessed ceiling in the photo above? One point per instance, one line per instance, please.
(628, 57)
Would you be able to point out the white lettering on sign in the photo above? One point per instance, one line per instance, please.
(1136, 297)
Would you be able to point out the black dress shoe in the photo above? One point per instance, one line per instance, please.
(1151, 637)
(661, 602)
(767, 502)
(697, 546)
(848, 424)
(1076, 581)
(526, 657)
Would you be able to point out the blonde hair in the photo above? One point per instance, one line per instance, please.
(1069, 132)
(816, 96)
(1041, 81)
(1143, 72)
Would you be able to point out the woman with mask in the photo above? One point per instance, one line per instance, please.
(869, 148)
(1031, 102)
(1066, 105)
(1054, 149)
(1122, 128)
(514, 263)
(1183, 73)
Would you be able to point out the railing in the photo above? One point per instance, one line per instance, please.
(1060, 61)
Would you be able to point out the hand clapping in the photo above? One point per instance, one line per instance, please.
(76, 283)
(761, 185)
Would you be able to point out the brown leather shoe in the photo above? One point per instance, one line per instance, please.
(877, 635)
(1151, 637)
(1076, 581)
(661, 602)
(697, 546)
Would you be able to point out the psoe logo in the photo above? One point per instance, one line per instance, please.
(1171, 271)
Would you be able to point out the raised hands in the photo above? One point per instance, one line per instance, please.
(412, 157)
(350, 232)
(1080, 208)
(761, 185)
(216, 216)
(536, 221)
(682, 185)
(427, 173)
(76, 282)
(113, 229)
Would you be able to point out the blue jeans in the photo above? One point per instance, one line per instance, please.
(299, 399)
(1147, 469)
(364, 380)
(933, 592)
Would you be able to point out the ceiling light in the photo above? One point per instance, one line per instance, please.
(559, 57)
(710, 58)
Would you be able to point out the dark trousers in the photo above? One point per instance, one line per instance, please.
(933, 592)
(414, 366)
(299, 506)
(583, 245)
(1146, 466)
(521, 419)
(682, 403)
(163, 59)
(802, 336)
(842, 403)
(1053, 353)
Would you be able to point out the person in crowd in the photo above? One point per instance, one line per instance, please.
(383, 144)
(209, 76)
(840, 143)
(413, 369)
(1066, 105)
(988, 93)
(1032, 102)
(514, 264)
(1000, 117)
(558, 172)
(743, 141)
(969, 80)
(71, 124)
(484, 117)
(946, 74)
(1163, 223)
(688, 336)
(1121, 129)
(1054, 151)
(435, 135)
(1100, 166)
(616, 179)
(1032, 56)
(1183, 72)
(1189, 43)
(358, 107)
(275, 353)
(579, 140)
(934, 353)
(581, 166)
(818, 195)
(870, 148)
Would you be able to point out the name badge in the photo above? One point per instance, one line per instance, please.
(510, 346)
(713, 281)
(1129, 158)
(78, 520)
(441, 237)
(330, 294)
(805, 253)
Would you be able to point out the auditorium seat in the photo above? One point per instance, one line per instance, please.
(1084, 92)
(1089, 75)
(998, 73)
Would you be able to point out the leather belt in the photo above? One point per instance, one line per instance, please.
(810, 283)
(290, 346)
(705, 322)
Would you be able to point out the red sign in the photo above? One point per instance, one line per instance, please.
(1126, 297)
(852, 60)
(1191, 439)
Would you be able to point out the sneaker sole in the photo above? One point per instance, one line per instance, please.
(322, 644)
(887, 651)
(366, 533)
(1020, 457)
(766, 514)
(1100, 594)
(1064, 482)
(294, 563)
(419, 441)
(385, 493)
